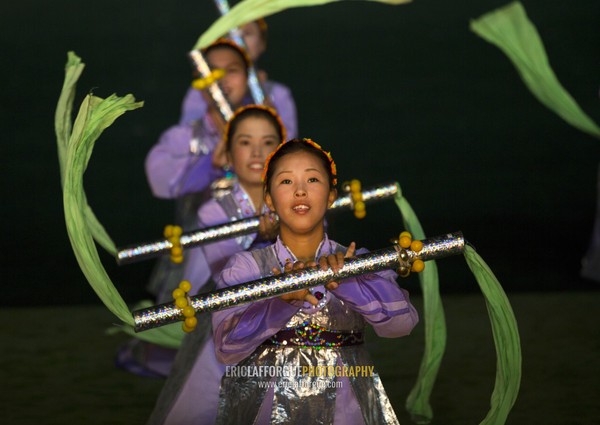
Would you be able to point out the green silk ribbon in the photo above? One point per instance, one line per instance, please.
(510, 29)
(417, 402)
(250, 10)
(506, 340)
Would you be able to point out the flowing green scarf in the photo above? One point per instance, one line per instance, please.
(509, 28)
(64, 132)
(506, 340)
(251, 10)
(504, 329)
(417, 402)
(75, 144)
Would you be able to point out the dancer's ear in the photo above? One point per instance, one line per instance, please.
(269, 201)
(332, 197)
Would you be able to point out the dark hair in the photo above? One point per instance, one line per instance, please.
(253, 111)
(293, 146)
(224, 43)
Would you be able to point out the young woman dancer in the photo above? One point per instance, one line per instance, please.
(309, 338)
(278, 95)
(191, 393)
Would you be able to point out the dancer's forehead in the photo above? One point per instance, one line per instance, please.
(224, 56)
(299, 162)
(255, 126)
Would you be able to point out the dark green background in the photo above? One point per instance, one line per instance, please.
(402, 93)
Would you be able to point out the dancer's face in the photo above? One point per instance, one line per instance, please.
(253, 140)
(235, 82)
(299, 192)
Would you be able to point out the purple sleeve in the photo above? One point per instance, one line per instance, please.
(193, 108)
(238, 331)
(379, 299)
(282, 99)
(218, 253)
(172, 170)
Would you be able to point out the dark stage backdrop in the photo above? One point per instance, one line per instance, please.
(402, 93)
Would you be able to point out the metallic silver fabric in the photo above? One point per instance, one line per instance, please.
(273, 286)
(304, 397)
(144, 251)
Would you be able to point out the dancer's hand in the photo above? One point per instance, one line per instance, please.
(302, 294)
(268, 226)
(335, 262)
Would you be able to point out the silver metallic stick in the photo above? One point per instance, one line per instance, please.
(269, 287)
(144, 251)
(255, 89)
(215, 91)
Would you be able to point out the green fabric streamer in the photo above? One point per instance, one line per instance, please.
(75, 145)
(506, 340)
(504, 330)
(95, 115)
(250, 10)
(510, 30)
(417, 402)
(64, 108)
(63, 127)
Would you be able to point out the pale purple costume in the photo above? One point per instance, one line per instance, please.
(254, 335)
(191, 393)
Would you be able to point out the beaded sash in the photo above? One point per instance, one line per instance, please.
(309, 334)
